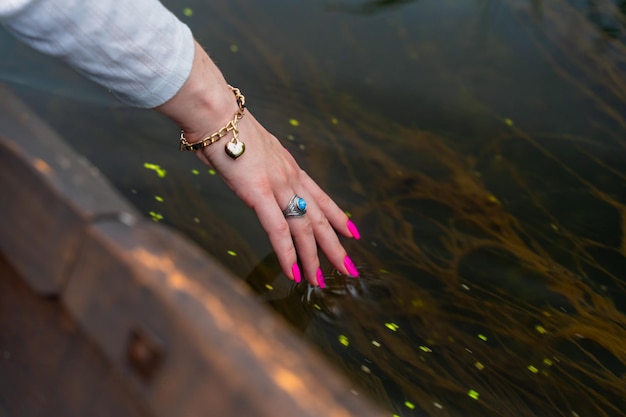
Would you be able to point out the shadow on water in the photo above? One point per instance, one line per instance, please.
(484, 167)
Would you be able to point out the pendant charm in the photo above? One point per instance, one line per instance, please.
(235, 148)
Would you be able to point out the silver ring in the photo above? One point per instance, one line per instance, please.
(296, 207)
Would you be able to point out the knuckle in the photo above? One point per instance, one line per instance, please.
(290, 253)
(323, 200)
(322, 222)
(282, 227)
(264, 189)
(289, 171)
(339, 250)
(257, 195)
(307, 229)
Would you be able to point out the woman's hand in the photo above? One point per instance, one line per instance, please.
(265, 176)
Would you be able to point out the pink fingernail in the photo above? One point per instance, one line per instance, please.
(352, 228)
(320, 278)
(295, 271)
(347, 262)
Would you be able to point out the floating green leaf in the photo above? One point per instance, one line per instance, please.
(154, 167)
(392, 326)
(156, 216)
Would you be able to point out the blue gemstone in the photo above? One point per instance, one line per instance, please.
(301, 204)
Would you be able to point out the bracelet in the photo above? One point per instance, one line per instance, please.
(234, 148)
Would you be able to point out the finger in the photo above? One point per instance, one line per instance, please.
(337, 217)
(279, 233)
(306, 245)
(328, 241)
(325, 221)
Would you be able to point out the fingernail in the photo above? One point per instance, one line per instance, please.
(347, 262)
(295, 271)
(320, 278)
(352, 228)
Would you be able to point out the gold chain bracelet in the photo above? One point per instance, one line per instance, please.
(234, 148)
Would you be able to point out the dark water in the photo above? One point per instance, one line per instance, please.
(480, 146)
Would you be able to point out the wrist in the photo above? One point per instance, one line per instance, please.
(205, 103)
(234, 148)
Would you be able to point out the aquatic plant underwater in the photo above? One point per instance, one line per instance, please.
(494, 281)
(485, 168)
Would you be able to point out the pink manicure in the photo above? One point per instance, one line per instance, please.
(295, 271)
(352, 228)
(320, 278)
(347, 262)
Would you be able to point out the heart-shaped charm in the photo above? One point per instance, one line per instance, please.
(235, 148)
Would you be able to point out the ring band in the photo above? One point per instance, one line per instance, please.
(296, 207)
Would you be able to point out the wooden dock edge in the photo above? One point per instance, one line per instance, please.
(185, 336)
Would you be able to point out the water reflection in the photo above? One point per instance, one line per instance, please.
(480, 148)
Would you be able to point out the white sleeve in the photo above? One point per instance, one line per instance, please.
(137, 49)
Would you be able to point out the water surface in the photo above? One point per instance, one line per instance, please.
(478, 145)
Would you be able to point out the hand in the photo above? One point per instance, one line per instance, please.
(265, 177)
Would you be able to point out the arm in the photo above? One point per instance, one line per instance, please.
(265, 177)
(154, 62)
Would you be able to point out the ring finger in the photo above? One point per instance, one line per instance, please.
(303, 235)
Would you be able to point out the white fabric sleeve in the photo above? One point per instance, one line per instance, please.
(137, 49)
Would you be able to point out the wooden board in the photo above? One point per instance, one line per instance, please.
(49, 194)
(48, 367)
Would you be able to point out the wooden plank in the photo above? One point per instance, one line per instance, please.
(207, 345)
(50, 194)
(48, 367)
